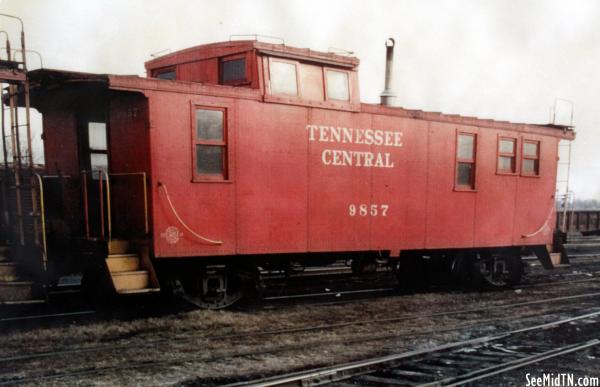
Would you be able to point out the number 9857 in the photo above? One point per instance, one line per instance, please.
(368, 209)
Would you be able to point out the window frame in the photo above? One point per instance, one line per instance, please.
(514, 155)
(327, 97)
(473, 160)
(537, 157)
(224, 143)
(239, 82)
(296, 64)
(91, 151)
(162, 70)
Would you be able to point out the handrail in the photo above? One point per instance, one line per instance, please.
(14, 50)
(22, 34)
(543, 225)
(86, 209)
(109, 223)
(43, 219)
(210, 241)
(14, 17)
(103, 175)
(146, 223)
(101, 200)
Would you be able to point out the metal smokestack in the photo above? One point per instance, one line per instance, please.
(388, 95)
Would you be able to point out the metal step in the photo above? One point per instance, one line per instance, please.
(118, 246)
(123, 262)
(130, 280)
(8, 271)
(129, 273)
(140, 291)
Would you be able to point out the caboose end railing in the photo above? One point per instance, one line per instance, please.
(106, 203)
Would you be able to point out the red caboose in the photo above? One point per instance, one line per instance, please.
(240, 154)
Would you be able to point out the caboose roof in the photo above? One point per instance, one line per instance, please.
(213, 50)
(46, 79)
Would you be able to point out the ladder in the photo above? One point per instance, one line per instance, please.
(22, 231)
(564, 193)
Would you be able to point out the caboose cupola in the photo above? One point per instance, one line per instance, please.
(282, 74)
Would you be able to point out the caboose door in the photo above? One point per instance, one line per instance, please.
(196, 195)
(93, 164)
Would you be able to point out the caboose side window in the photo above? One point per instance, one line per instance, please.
(531, 158)
(165, 74)
(233, 71)
(210, 146)
(337, 85)
(283, 77)
(506, 155)
(466, 144)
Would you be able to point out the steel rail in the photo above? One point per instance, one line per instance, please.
(254, 333)
(348, 370)
(333, 293)
(511, 365)
(567, 282)
(340, 271)
(45, 316)
(370, 362)
(246, 353)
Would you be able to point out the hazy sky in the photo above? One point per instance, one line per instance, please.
(506, 60)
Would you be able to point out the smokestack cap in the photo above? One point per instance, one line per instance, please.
(387, 95)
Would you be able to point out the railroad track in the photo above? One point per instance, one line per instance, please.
(63, 305)
(333, 296)
(11, 361)
(325, 298)
(332, 290)
(90, 370)
(45, 317)
(456, 363)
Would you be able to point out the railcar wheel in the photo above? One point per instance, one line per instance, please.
(361, 265)
(500, 270)
(465, 272)
(410, 271)
(211, 288)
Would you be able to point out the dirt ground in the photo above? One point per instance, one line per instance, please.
(202, 347)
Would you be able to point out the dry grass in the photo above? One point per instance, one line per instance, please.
(186, 351)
